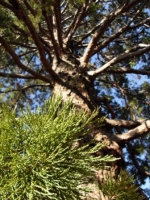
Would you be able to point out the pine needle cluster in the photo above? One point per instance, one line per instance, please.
(38, 158)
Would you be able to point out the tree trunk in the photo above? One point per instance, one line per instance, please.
(75, 85)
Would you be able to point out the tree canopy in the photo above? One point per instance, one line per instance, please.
(97, 49)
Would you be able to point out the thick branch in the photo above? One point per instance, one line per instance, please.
(20, 13)
(79, 15)
(51, 31)
(98, 33)
(19, 63)
(119, 32)
(124, 56)
(29, 7)
(58, 24)
(136, 132)
(74, 21)
(124, 123)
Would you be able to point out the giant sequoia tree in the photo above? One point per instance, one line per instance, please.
(94, 52)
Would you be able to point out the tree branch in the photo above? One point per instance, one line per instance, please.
(132, 154)
(79, 15)
(13, 75)
(124, 123)
(72, 25)
(122, 70)
(98, 33)
(22, 45)
(19, 63)
(51, 31)
(128, 54)
(136, 132)
(58, 24)
(20, 30)
(27, 87)
(20, 13)
(119, 32)
(30, 8)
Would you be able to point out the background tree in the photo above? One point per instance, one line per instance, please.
(91, 51)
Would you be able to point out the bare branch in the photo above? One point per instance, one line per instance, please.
(120, 31)
(122, 70)
(22, 45)
(13, 75)
(74, 21)
(19, 63)
(79, 15)
(88, 34)
(141, 23)
(27, 87)
(136, 132)
(98, 33)
(124, 56)
(121, 122)
(65, 6)
(20, 13)
(49, 22)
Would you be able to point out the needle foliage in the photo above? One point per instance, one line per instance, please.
(38, 155)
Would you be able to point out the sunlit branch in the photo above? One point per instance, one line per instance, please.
(141, 23)
(124, 56)
(98, 33)
(123, 123)
(137, 132)
(119, 32)
(65, 5)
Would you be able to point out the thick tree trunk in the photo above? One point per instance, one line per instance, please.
(75, 85)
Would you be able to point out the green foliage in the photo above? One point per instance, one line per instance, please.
(123, 95)
(39, 158)
(122, 188)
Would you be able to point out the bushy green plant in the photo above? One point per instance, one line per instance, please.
(38, 155)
